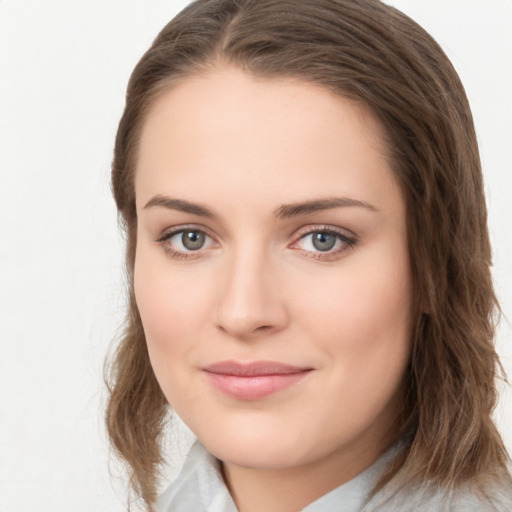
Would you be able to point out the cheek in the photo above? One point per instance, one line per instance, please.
(170, 304)
(362, 323)
(362, 319)
(171, 309)
(371, 294)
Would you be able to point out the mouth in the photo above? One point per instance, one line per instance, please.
(253, 381)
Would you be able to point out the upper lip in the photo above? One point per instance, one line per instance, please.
(252, 369)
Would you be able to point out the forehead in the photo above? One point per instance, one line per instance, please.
(228, 128)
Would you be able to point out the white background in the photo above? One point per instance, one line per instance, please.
(64, 66)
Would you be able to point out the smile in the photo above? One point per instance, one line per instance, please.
(253, 381)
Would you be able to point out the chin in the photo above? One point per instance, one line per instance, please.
(255, 447)
(256, 456)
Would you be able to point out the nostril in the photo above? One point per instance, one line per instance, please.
(263, 328)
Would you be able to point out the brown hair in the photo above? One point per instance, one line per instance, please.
(366, 50)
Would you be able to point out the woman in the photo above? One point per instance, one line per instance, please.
(308, 262)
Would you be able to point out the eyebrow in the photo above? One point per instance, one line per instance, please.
(180, 205)
(283, 212)
(296, 209)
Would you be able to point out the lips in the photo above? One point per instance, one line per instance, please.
(253, 381)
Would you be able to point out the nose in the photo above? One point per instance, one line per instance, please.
(251, 302)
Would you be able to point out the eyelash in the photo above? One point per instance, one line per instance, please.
(348, 242)
(181, 255)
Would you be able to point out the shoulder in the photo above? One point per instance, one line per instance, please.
(495, 495)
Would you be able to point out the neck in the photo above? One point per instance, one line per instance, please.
(293, 488)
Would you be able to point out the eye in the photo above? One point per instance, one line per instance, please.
(325, 241)
(183, 243)
(191, 240)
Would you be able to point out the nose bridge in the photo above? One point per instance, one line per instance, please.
(250, 303)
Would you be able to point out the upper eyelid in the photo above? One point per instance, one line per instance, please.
(171, 231)
(319, 228)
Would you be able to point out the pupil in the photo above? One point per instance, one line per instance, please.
(193, 240)
(323, 241)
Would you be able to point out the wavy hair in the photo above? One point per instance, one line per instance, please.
(369, 51)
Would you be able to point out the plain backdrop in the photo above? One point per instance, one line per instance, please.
(64, 66)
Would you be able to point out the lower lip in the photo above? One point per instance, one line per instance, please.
(254, 387)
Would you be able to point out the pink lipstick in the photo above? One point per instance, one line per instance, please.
(253, 381)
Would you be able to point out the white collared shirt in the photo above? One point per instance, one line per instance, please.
(200, 488)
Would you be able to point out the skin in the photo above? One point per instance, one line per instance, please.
(258, 289)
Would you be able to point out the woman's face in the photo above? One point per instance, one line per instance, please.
(271, 271)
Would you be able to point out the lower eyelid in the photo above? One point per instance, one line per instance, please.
(178, 254)
(326, 256)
